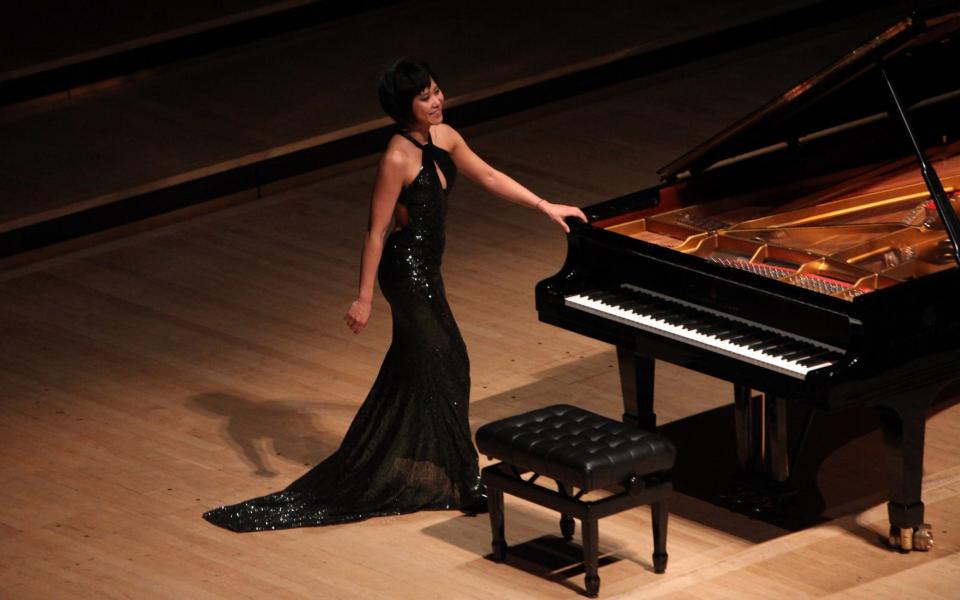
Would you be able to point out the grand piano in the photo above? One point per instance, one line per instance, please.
(808, 254)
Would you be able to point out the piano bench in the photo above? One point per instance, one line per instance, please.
(581, 451)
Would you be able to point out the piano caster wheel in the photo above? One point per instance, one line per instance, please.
(901, 538)
(906, 539)
(923, 538)
(567, 527)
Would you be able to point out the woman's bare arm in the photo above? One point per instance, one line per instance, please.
(387, 188)
(502, 185)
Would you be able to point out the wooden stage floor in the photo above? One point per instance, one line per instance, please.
(148, 379)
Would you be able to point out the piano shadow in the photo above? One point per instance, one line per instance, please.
(840, 469)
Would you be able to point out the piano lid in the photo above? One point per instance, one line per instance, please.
(921, 55)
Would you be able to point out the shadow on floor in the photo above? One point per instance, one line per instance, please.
(256, 428)
(841, 469)
(548, 556)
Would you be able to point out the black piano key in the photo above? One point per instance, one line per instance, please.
(800, 353)
(774, 349)
(716, 329)
(738, 328)
(724, 332)
(644, 309)
(609, 303)
(638, 294)
(691, 322)
(727, 333)
(790, 348)
(743, 336)
(659, 313)
(601, 295)
(769, 345)
(701, 316)
(815, 359)
(763, 338)
(638, 306)
(707, 328)
(631, 295)
(833, 357)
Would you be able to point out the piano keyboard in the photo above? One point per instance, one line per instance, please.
(712, 330)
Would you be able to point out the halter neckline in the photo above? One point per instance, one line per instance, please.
(434, 157)
(416, 143)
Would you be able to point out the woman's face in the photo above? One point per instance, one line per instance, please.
(428, 106)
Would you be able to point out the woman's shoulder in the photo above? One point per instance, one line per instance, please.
(444, 130)
(399, 151)
(400, 159)
(445, 136)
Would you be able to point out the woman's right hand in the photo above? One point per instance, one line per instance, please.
(358, 314)
(558, 212)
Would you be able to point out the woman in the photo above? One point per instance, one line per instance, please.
(409, 447)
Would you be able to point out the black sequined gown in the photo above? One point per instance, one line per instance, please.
(409, 447)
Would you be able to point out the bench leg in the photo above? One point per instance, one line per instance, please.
(495, 506)
(658, 511)
(590, 535)
(567, 527)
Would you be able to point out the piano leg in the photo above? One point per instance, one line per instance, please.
(763, 462)
(760, 425)
(777, 458)
(903, 420)
(746, 408)
(636, 382)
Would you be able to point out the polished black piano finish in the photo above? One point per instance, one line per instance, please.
(827, 159)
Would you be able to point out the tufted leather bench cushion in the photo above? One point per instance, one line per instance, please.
(575, 446)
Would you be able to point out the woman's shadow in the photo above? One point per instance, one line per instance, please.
(261, 428)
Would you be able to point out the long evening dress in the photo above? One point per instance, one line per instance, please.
(409, 447)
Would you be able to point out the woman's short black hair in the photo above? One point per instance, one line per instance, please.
(400, 84)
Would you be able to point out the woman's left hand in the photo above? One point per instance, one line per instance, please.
(558, 212)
